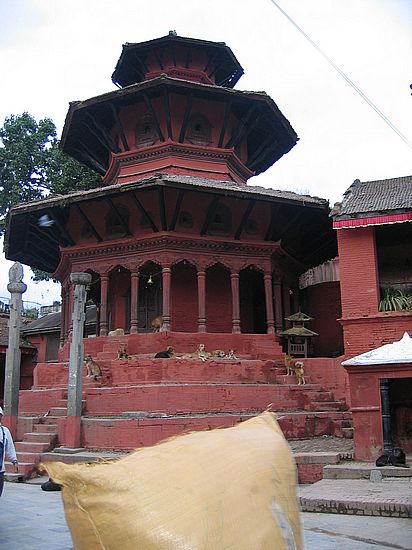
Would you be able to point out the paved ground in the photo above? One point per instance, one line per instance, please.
(34, 520)
(390, 497)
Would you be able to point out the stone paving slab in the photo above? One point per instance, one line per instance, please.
(32, 519)
(348, 532)
(387, 498)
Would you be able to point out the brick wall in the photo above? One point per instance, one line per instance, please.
(358, 272)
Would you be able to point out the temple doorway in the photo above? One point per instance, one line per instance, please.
(150, 296)
(252, 301)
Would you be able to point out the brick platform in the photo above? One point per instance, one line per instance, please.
(359, 497)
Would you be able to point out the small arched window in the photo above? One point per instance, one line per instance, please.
(199, 131)
(114, 227)
(145, 132)
(186, 219)
(222, 221)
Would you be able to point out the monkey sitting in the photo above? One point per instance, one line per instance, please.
(93, 369)
(167, 354)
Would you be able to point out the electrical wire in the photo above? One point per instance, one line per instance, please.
(345, 77)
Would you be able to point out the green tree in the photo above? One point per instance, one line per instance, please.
(32, 166)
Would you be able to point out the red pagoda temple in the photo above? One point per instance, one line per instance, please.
(175, 231)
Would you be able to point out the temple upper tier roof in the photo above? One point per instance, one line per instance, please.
(186, 58)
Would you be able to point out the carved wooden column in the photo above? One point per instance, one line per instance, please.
(234, 282)
(134, 293)
(104, 284)
(286, 300)
(166, 278)
(201, 297)
(277, 293)
(270, 322)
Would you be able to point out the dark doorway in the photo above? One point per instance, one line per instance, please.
(149, 304)
(252, 302)
(400, 398)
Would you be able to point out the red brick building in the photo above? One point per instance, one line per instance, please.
(375, 256)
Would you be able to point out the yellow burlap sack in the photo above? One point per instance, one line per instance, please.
(231, 488)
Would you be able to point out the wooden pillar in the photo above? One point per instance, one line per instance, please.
(277, 294)
(104, 284)
(134, 293)
(74, 393)
(270, 322)
(234, 282)
(201, 298)
(16, 287)
(166, 278)
(286, 300)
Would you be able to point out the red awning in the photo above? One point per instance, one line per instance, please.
(375, 220)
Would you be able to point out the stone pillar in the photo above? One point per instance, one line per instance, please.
(201, 298)
(63, 316)
(16, 287)
(104, 284)
(234, 282)
(67, 312)
(166, 279)
(134, 297)
(270, 322)
(277, 294)
(74, 404)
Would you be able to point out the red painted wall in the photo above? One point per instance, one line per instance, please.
(218, 300)
(366, 406)
(184, 306)
(358, 272)
(322, 302)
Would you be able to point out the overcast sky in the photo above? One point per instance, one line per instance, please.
(56, 51)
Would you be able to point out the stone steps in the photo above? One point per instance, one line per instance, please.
(137, 429)
(199, 398)
(364, 470)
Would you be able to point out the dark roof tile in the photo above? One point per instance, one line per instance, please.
(371, 198)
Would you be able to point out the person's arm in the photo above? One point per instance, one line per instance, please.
(11, 451)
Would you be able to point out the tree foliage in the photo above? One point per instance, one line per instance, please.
(33, 167)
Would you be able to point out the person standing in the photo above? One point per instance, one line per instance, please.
(6, 449)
